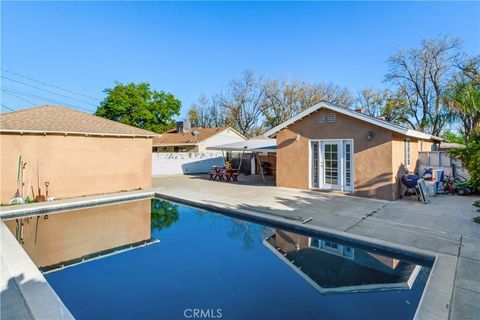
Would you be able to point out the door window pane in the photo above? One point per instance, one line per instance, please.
(315, 172)
(348, 162)
(331, 164)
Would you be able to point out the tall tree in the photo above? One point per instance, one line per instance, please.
(244, 102)
(464, 101)
(208, 113)
(470, 69)
(284, 99)
(139, 106)
(371, 101)
(421, 75)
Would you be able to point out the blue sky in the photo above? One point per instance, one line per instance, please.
(194, 48)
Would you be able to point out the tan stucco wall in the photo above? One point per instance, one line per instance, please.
(66, 236)
(76, 165)
(398, 158)
(372, 158)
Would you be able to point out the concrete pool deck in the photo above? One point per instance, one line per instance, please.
(442, 230)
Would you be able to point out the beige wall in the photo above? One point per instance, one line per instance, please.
(70, 235)
(372, 158)
(76, 165)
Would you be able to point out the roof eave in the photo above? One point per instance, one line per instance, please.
(97, 134)
(359, 116)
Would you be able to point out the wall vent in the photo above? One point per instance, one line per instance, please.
(321, 117)
(331, 117)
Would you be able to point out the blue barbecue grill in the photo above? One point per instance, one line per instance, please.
(409, 182)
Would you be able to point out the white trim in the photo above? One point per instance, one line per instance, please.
(227, 128)
(174, 144)
(341, 162)
(131, 135)
(353, 114)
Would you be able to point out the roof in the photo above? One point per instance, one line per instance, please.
(450, 145)
(173, 138)
(255, 145)
(62, 120)
(354, 114)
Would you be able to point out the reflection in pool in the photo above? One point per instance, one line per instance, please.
(210, 261)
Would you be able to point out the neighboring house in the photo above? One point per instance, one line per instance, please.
(77, 153)
(334, 148)
(194, 139)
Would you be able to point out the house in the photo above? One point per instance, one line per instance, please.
(76, 153)
(328, 147)
(182, 139)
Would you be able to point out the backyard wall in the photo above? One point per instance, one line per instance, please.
(76, 165)
(184, 162)
(372, 158)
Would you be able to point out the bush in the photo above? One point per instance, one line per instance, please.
(470, 157)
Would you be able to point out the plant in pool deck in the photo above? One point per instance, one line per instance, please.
(164, 214)
(477, 205)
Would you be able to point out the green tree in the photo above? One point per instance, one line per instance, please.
(139, 106)
(464, 100)
(451, 136)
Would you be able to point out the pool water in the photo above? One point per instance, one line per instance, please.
(208, 265)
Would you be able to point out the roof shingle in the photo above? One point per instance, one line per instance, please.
(172, 137)
(56, 119)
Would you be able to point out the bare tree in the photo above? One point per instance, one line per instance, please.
(469, 69)
(244, 102)
(208, 113)
(421, 75)
(371, 101)
(284, 99)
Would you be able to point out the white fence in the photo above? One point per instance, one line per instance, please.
(165, 164)
(440, 160)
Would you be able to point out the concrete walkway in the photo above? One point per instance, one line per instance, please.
(442, 229)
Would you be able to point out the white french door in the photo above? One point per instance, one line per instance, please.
(331, 164)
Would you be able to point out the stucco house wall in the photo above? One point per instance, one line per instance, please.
(372, 158)
(76, 165)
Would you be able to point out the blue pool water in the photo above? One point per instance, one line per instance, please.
(234, 269)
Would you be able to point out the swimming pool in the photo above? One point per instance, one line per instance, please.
(162, 260)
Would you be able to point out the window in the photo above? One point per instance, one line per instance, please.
(406, 152)
(331, 117)
(321, 117)
(315, 172)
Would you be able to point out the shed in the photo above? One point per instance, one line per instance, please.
(76, 153)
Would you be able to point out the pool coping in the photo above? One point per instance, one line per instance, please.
(41, 301)
(435, 302)
(17, 211)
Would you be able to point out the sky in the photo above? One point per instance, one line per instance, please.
(194, 48)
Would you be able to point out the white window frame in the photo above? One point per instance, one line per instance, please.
(339, 251)
(406, 152)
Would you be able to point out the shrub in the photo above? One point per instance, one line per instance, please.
(470, 157)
